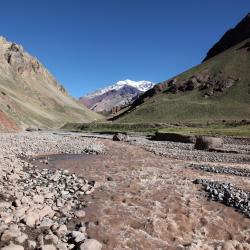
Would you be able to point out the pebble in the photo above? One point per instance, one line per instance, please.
(80, 213)
(13, 247)
(91, 244)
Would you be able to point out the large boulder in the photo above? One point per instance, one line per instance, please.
(120, 137)
(208, 143)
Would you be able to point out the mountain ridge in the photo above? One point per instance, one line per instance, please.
(231, 38)
(30, 95)
(113, 98)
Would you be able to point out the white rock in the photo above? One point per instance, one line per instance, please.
(91, 244)
(31, 244)
(80, 213)
(12, 232)
(52, 237)
(21, 239)
(61, 231)
(38, 199)
(48, 195)
(48, 247)
(5, 204)
(31, 219)
(62, 246)
(46, 210)
(13, 247)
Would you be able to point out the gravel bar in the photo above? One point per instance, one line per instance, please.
(227, 194)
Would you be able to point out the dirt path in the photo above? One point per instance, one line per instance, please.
(149, 202)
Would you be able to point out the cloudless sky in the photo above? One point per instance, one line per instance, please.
(88, 44)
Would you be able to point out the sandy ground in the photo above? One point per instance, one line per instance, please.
(146, 201)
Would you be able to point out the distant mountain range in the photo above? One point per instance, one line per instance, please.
(115, 97)
(31, 96)
(216, 90)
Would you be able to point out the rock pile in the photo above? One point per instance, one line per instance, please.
(227, 194)
(42, 208)
(222, 170)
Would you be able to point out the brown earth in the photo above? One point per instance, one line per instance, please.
(145, 201)
(7, 124)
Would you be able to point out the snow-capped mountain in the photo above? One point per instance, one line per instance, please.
(113, 98)
(142, 86)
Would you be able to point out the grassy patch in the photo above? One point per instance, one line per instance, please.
(214, 130)
(229, 128)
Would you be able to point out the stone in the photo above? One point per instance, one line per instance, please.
(48, 247)
(31, 244)
(208, 143)
(80, 213)
(91, 244)
(80, 237)
(61, 231)
(12, 232)
(12, 246)
(5, 204)
(46, 222)
(51, 237)
(21, 239)
(17, 203)
(62, 246)
(38, 199)
(31, 219)
(46, 211)
(121, 137)
(49, 196)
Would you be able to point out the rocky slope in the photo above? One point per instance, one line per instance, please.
(115, 97)
(218, 89)
(30, 95)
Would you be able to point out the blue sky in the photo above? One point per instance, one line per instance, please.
(88, 44)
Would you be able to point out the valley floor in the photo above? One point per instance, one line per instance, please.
(141, 194)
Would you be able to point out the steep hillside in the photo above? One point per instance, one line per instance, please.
(115, 97)
(29, 94)
(218, 89)
(231, 38)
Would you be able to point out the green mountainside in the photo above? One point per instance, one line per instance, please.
(216, 90)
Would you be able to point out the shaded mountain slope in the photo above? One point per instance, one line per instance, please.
(30, 95)
(232, 37)
(218, 89)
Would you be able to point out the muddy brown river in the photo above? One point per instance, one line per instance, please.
(145, 201)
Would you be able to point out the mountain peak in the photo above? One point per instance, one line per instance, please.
(113, 98)
(141, 85)
(232, 37)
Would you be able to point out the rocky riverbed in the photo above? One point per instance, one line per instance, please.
(75, 191)
(43, 208)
